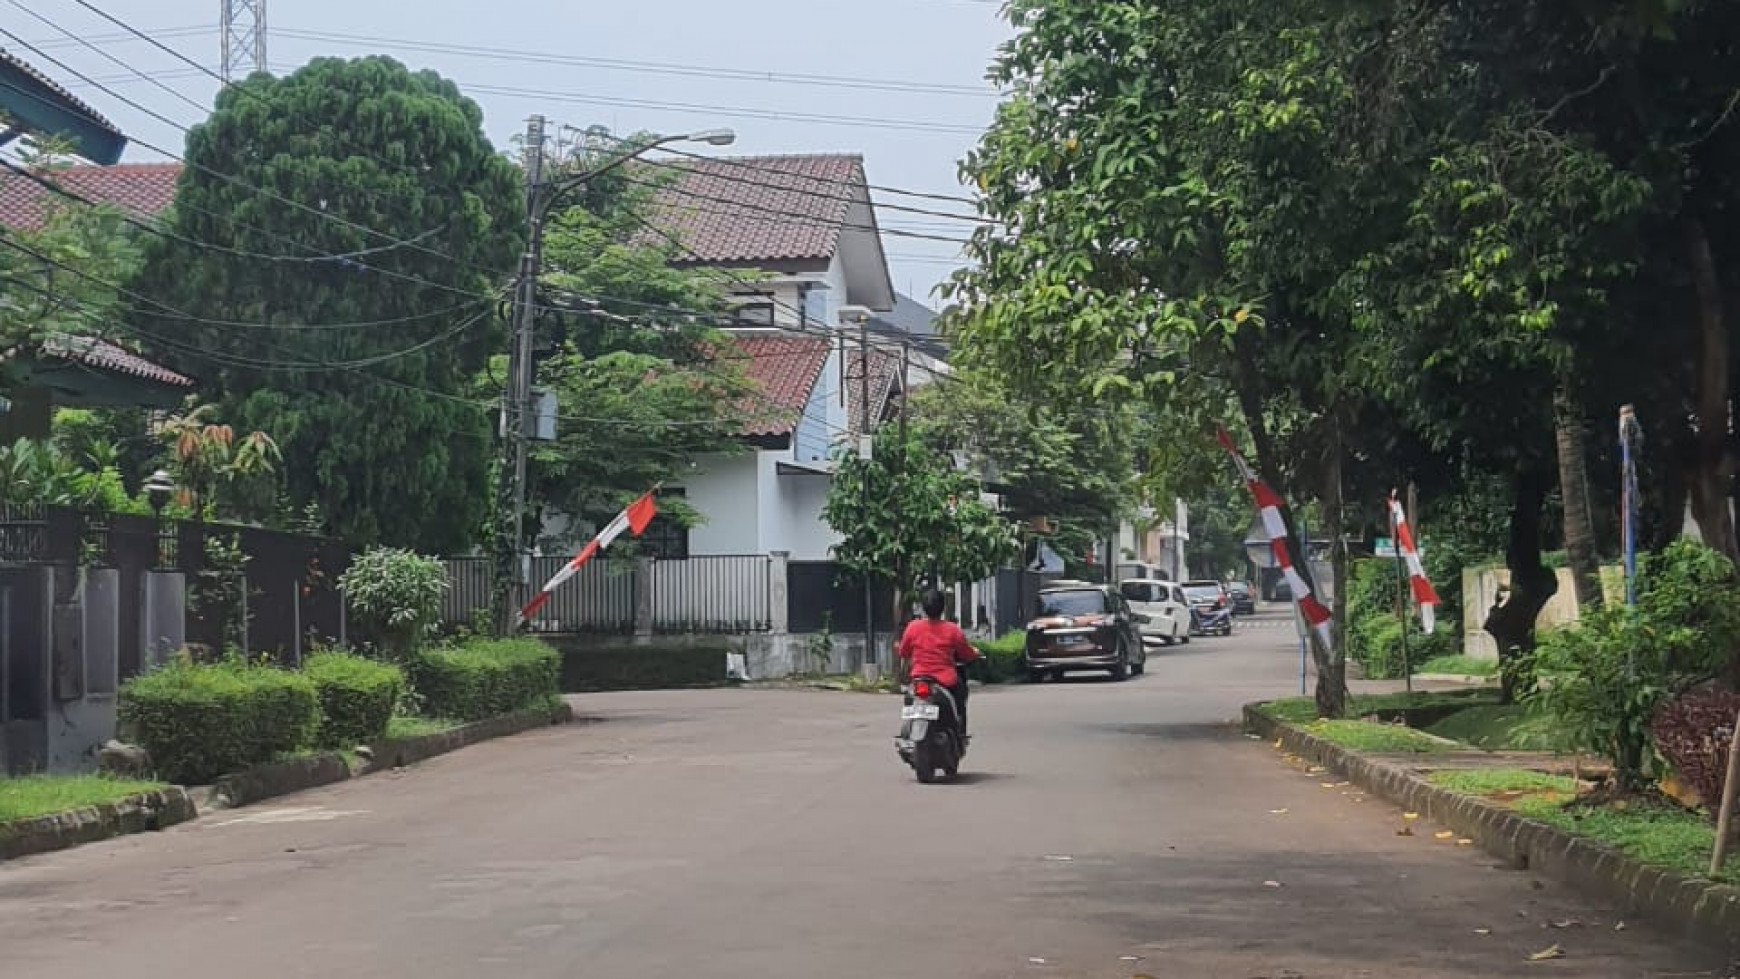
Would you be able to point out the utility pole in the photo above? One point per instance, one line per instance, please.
(244, 38)
(865, 442)
(517, 396)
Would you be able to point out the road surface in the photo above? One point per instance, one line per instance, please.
(1104, 830)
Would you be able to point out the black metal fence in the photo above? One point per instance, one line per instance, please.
(290, 594)
(822, 595)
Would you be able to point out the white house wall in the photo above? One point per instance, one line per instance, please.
(724, 490)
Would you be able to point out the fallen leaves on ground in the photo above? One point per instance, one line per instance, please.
(1405, 831)
(1272, 884)
(1550, 952)
(1444, 834)
(1279, 812)
(1465, 841)
(1483, 931)
(1567, 923)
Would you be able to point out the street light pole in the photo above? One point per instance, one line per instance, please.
(541, 196)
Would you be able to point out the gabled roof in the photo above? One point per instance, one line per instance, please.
(36, 103)
(748, 210)
(784, 370)
(103, 355)
(141, 189)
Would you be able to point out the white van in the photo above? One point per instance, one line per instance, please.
(1164, 604)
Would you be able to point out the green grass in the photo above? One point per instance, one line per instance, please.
(1502, 728)
(1302, 710)
(42, 795)
(1459, 666)
(1654, 834)
(1489, 781)
(1366, 736)
(416, 727)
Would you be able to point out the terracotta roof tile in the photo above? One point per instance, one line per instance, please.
(107, 356)
(142, 189)
(884, 372)
(758, 209)
(784, 369)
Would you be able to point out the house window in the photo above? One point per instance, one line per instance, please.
(666, 539)
(753, 314)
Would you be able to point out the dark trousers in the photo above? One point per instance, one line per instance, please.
(959, 690)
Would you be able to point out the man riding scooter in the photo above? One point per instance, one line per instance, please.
(933, 647)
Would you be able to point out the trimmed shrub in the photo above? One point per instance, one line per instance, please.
(487, 678)
(587, 668)
(395, 596)
(1002, 662)
(357, 697)
(202, 721)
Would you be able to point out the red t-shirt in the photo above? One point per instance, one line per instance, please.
(934, 646)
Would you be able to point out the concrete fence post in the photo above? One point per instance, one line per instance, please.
(779, 592)
(644, 571)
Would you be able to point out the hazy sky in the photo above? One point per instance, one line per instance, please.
(910, 140)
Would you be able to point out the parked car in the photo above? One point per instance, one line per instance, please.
(1084, 627)
(1210, 608)
(1164, 604)
(1244, 598)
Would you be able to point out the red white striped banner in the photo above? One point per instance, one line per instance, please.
(634, 519)
(1424, 595)
(1268, 502)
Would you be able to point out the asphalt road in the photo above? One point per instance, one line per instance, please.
(1104, 830)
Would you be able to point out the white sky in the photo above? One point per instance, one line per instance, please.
(941, 46)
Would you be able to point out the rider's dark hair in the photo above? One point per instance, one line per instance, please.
(933, 603)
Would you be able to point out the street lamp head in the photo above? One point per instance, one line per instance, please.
(158, 488)
(713, 137)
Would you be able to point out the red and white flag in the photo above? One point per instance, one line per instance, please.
(633, 519)
(1424, 595)
(1268, 502)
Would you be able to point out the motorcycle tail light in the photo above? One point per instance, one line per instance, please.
(921, 689)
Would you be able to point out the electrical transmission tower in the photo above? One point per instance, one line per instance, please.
(244, 40)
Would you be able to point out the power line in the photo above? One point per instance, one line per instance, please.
(787, 188)
(651, 67)
(739, 209)
(740, 163)
(238, 182)
(92, 47)
(740, 112)
(124, 37)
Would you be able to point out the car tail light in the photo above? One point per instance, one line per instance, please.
(921, 689)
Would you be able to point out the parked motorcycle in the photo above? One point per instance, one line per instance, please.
(1208, 621)
(930, 732)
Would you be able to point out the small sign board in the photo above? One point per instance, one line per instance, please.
(1383, 547)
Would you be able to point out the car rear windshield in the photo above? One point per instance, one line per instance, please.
(1085, 602)
(1141, 591)
(1202, 591)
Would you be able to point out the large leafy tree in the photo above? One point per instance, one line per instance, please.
(910, 515)
(341, 236)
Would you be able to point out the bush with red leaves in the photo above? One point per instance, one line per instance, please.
(1692, 733)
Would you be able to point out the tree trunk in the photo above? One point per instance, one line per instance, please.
(1580, 549)
(1331, 695)
(1712, 470)
(1511, 623)
(1332, 685)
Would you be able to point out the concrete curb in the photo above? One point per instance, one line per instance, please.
(1698, 909)
(295, 775)
(65, 830)
(160, 810)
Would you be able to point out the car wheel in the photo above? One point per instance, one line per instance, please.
(1121, 672)
(1035, 676)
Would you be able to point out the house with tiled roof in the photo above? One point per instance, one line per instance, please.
(799, 233)
(63, 369)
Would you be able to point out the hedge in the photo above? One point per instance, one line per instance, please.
(357, 697)
(1002, 663)
(202, 721)
(588, 668)
(486, 678)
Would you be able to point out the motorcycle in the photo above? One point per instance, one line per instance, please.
(1207, 620)
(930, 732)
